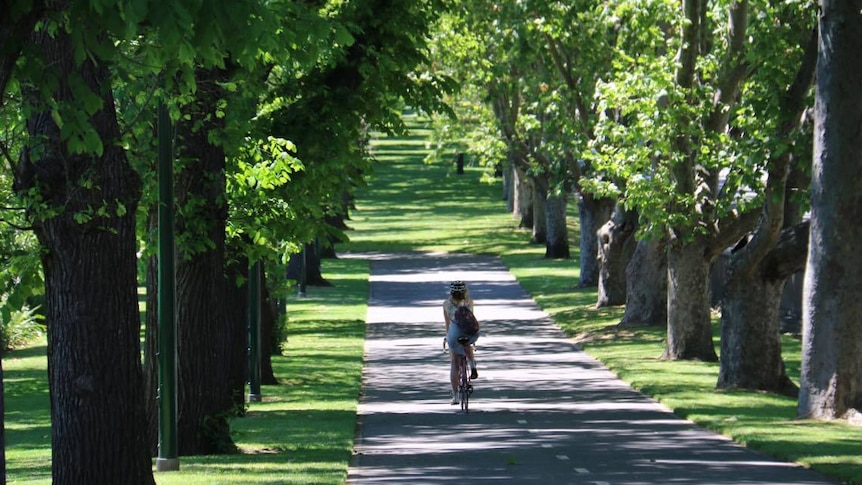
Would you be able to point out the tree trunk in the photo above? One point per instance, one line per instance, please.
(523, 199)
(689, 328)
(205, 401)
(557, 241)
(313, 274)
(750, 318)
(236, 313)
(592, 215)
(831, 381)
(508, 190)
(268, 317)
(646, 285)
(540, 218)
(98, 421)
(616, 246)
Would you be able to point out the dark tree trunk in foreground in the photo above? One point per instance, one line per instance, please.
(689, 333)
(646, 285)
(616, 246)
(593, 213)
(205, 400)
(557, 240)
(831, 381)
(98, 422)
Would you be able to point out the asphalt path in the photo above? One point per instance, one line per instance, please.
(542, 412)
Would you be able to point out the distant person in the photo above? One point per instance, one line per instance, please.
(459, 296)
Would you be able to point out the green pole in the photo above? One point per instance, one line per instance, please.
(167, 459)
(303, 269)
(254, 274)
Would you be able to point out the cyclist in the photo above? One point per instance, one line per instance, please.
(459, 295)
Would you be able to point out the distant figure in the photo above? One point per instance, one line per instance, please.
(459, 162)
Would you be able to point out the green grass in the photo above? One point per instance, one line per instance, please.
(302, 432)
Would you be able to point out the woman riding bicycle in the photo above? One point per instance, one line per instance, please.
(458, 296)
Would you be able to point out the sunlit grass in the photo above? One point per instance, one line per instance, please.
(302, 432)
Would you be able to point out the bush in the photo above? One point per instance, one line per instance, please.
(20, 326)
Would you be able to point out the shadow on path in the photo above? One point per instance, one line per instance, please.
(542, 411)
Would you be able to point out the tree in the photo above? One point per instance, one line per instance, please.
(832, 358)
(757, 271)
(82, 194)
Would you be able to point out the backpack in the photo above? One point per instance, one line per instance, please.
(466, 321)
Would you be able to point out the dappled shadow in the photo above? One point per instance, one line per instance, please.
(542, 410)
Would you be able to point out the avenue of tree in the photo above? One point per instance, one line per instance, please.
(683, 132)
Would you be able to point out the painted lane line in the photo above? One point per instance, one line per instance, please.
(563, 457)
(582, 471)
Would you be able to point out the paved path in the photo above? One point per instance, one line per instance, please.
(542, 412)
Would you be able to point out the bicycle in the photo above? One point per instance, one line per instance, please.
(465, 386)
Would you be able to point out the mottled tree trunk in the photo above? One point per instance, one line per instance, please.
(750, 320)
(646, 285)
(540, 217)
(616, 246)
(557, 242)
(689, 332)
(831, 381)
(98, 421)
(593, 213)
(205, 398)
(523, 199)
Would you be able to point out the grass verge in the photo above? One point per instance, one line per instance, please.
(302, 432)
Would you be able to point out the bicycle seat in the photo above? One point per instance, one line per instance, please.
(463, 340)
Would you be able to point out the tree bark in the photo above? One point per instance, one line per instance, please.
(831, 381)
(593, 213)
(646, 285)
(540, 217)
(557, 242)
(757, 272)
(268, 318)
(313, 274)
(236, 312)
(689, 332)
(205, 399)
(98, 421)
(616, 246)
(750, 319)
(523, 195)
